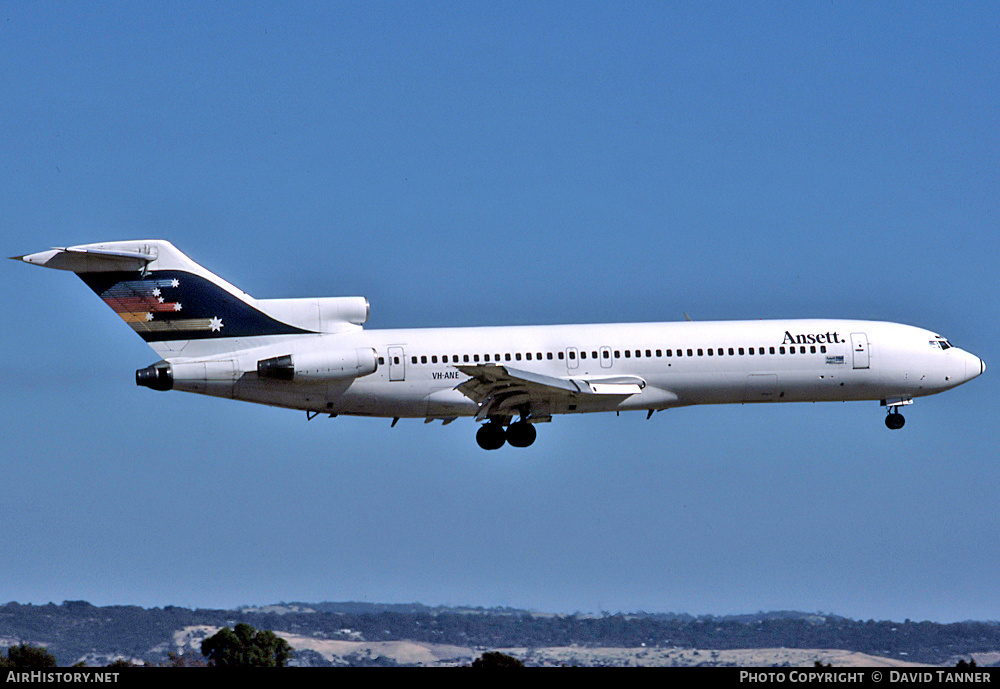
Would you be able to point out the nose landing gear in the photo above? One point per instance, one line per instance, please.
(894, 420)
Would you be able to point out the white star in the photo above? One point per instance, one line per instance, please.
(160, 299)
(149, 316)
(175, 283)
(215, 324)
(156, 292)
(177, 306)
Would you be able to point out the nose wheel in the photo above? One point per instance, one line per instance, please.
(894, 420)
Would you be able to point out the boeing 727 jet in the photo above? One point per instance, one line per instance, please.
(314, 355)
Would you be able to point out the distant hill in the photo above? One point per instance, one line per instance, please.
(379, 634)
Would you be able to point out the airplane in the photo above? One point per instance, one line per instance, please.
(313, 354)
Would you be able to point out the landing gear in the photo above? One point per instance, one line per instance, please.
(894, 420)
(492, 436)
(521, 434)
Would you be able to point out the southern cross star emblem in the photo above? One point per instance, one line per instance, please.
(215, 325)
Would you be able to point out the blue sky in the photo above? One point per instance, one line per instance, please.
(504, 163)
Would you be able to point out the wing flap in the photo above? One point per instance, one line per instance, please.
(504, 390)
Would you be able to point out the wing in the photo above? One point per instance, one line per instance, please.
(504, 391)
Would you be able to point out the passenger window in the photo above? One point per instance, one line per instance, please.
(822, 349)
(572, 355)
(423, 359)
(506, 357)
(583, 355)
(560, 355)
(709, 351)
(475, 357)
(528, 356)
(741, 351)
(518, 356)
(730, 351)
(701, 352)
(659, 353)
(690, 353)
(465, 358)
(381, 361)
(628, 354)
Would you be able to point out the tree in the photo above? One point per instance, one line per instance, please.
(244, 646)
(496, 659)
(27, 656)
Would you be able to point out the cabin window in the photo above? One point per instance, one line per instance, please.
(423, 359)
(659, 353)
(583, 355)
(822, 349)
(560, 355)
(572, 355)
(638, 353)
(381, 361)
(740, 351)
(528, 356)
(690, 353)
(539, 356)
(506, 357)
(709, 351)
(628, 354)
(680, 352)
(812, 349)
(670, 352)
(548, 355)
(701, 352)
(618, 355)
(434, 359)
(518, 356)
(607, 354)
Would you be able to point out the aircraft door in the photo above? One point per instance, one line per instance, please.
(606, 359)
(397, 363)
(859, 343)
(572, 358)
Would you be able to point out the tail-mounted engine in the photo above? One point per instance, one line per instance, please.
(319, 366)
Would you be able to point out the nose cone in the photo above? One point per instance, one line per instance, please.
(974, 366)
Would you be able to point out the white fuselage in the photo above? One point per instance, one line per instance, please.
(681, 363)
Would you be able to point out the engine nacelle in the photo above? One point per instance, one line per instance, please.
(319, 366)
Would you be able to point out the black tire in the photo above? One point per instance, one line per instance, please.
(490, 436)
(894, 421)
(521, 434)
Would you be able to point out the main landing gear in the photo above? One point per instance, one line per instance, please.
(492, 436)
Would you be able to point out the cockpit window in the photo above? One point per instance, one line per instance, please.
(941, 343)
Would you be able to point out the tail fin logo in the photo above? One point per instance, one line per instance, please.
(175, 305)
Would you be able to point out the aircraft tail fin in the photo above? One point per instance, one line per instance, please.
(172, 302)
